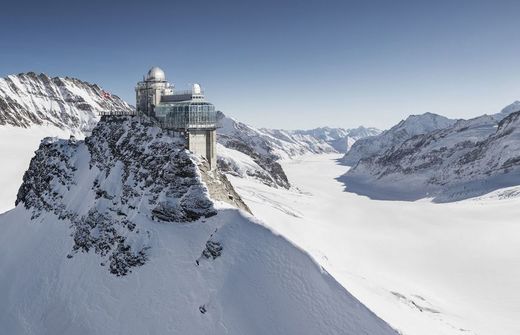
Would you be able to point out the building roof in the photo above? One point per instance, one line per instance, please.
(156, 74)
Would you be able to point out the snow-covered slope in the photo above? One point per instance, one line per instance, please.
(33, 106)
(355, 134)
(121, 233)
(29, 99)
(413, 125)
(425, 268)
(254, 145)
(471, 158)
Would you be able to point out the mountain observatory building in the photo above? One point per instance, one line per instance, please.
(185, 113)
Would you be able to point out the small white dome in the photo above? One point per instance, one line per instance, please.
(156, 74)
(196, 89)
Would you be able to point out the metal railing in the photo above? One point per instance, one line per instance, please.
(117, 113)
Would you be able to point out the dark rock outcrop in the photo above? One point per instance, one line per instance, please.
(126, 169)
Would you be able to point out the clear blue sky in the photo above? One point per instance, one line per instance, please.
(283, 64)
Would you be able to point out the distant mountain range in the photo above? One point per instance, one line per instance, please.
(431, 156)
(339, 139)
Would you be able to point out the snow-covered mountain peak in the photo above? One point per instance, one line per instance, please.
(68, 103)
(124, 164)
(514, 107)
(423, 123)
(479, 121)
(411, 126)
(339, 138)
(363, 131)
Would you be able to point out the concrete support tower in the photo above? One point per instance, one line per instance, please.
(204, 143)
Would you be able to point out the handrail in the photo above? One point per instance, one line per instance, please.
(118, 113)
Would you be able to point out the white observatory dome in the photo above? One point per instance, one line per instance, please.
(196, 89)
(156, 74)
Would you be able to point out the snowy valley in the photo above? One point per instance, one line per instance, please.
(423, 266)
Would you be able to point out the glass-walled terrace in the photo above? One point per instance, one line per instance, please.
(187, 115)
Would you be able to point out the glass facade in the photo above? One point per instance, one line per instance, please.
(187, 115)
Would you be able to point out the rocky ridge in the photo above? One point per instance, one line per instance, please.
(468, 159)
(132, 168)
(68, 103)
(412, 126)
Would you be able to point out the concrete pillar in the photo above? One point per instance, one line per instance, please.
(204, 143)
(211, 148)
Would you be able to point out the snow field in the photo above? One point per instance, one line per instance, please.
(425, 268)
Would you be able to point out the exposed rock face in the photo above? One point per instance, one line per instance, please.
(395, 136)
(511, 108)
(213, 250)
(470, 158)
(269, 171)
(220, 188)
(263, 149)
(130, 168)
(34, 99)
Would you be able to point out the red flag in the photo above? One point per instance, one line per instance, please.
(105, 94)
